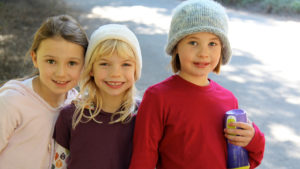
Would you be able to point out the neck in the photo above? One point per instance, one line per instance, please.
(197, 80)
(111, 104)
(51, 98)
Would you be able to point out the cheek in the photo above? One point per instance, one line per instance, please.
(99, 74)
(131, 75)
(45, 70)
(76, 72)
(184, 59)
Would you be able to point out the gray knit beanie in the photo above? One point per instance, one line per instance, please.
(119, 32)
(193, 16)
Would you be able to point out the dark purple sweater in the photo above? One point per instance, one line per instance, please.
(93, 145)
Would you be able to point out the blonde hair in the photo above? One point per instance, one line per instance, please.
(90, 93)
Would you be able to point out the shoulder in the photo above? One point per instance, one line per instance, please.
(224, 94)
(14, 93)
(221, 89)
(13, 99)
(13, 88)
(67, 111)
(68, 108)
(163, 87)
(10, 94)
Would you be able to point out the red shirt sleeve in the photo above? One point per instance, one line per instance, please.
(256, 148)
(147, 133)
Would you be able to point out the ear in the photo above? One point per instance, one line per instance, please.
(34, 58)
(91, 73)
(175, 50)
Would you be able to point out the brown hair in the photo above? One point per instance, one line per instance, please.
(63, 26)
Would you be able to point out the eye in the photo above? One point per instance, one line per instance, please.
(103, 64)
(127, 64)
(72, 63)
(193, 43)
(51, 61)
(212, 44)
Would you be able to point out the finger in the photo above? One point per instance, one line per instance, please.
(241, 125)
(236, 138)
(241, 144)
(239, 132)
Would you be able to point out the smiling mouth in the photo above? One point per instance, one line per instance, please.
(114, 84)
(60, 82)
(201, 64)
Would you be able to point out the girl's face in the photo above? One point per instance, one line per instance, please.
(113, 75)
(199, 54)
(60, 63)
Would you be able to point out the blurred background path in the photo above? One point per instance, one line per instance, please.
(263, 72)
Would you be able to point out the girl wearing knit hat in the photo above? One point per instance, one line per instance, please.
(96, 130)
(180, 120)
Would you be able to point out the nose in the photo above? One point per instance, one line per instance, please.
(203, 51)
(61, 70)
(115, 71)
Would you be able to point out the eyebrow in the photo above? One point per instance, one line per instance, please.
(125, 60)
(102, 59)
(128, 60)
(193, 37)
(71, 58)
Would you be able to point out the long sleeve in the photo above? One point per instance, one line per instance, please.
(148, 132)
(256, 148)
(9, 120)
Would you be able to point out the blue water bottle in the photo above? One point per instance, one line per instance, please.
(237, 156)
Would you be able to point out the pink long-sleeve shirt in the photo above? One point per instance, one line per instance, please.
(26, 125)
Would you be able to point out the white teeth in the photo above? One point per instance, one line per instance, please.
(114, 83)
(60, 82)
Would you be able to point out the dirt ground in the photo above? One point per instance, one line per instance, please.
(19, 19)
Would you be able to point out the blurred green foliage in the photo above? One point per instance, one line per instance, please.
(267, 6)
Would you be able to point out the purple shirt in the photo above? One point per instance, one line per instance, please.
(93, 145)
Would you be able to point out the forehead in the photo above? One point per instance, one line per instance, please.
(116, 56)
(203, 35)
(60, 48)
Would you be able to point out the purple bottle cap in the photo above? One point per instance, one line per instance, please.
(239, 114)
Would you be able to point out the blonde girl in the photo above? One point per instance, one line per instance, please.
(180, 121)
(95, 131)
(30, 106)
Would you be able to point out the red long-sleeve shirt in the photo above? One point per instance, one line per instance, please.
(180, 126)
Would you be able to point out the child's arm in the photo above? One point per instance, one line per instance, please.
(10, 119)
(251, 138)
(61, 155)
(256, 148)
(148, 132)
